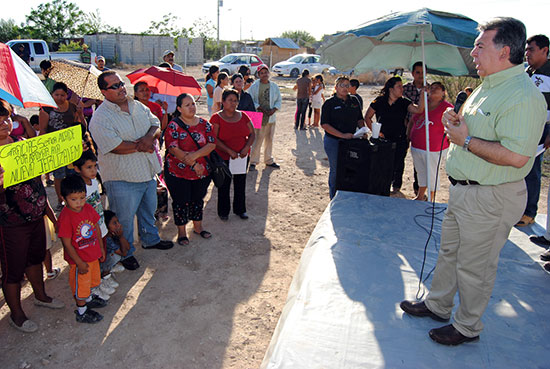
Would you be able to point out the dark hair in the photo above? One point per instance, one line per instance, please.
(354, 82)
(45, 64)
(165, 65)
(86, 155)
(540, 40)
(244, 70)
(249, 80)
(60, 86)
(221, 77)
(5, 108)
(72, 184)
(229, 91)
(320, 78)
(108, 215)
(441, 85)
(136, 86)
(305, 73)
(510, 32)
(235, 76)
(390, 83)
(213, 69)
(34, 119)
(468, 89)
(101, 79)
(179, 101)
(417, 64)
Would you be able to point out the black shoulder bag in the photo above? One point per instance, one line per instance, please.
(219, 170)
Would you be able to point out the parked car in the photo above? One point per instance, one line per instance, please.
(38, 50)
(294, 66)
(231, 62)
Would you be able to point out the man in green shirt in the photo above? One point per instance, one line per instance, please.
(85, 55)
(493, 144)
(46, 68)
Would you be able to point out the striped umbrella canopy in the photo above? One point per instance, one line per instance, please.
(398, 40)
(19, 85)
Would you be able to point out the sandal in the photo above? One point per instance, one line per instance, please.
(53, 274)
(204, 234)
(183, 241)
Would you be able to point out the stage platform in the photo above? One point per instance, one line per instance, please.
(363, 258)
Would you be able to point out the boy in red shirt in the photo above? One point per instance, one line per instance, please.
(83, 248)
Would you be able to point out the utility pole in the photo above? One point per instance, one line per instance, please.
(220, 4)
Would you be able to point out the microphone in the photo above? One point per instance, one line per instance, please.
(460, 99)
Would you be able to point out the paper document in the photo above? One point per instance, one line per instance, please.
(540, 149)
(361, 132)
(238, 165)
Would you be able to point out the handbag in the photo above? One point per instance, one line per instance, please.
(219, 169)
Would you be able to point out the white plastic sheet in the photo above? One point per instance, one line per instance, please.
(363, 258)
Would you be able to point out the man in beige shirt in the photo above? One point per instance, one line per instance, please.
(125, 131)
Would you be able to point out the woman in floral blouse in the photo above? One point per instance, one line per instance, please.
(186, 171)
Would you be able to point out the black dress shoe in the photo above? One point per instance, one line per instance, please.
(419, 309)
(130, 263)
(243, 216)
(224, 217)
(448, 335)
(161, 245)
(540, 240)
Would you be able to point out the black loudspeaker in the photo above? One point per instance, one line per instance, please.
(365, 166)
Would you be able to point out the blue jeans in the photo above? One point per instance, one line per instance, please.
(129, 199)
(331, 149)
(532, 181)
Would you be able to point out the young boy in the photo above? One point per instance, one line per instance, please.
(354, 85)
(86, 167)
(83, 248)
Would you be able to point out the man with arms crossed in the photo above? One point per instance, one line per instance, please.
(492, 149)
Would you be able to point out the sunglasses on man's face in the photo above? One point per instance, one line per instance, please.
(116, 86)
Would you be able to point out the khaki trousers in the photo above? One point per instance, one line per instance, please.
(265, 133)
(474, 230)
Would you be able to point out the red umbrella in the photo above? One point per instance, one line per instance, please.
(19, 85)
(166, 81)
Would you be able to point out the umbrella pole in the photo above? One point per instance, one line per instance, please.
(426, 121)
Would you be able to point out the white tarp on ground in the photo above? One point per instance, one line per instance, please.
(363, 258)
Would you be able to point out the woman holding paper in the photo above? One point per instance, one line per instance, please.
(23, 237)
(234, 138)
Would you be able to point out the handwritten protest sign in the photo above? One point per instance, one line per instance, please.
(31, 158)
(255, 117)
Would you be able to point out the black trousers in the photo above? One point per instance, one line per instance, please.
(187, 197)
(301, 109)
(239, 197)
(402, 145)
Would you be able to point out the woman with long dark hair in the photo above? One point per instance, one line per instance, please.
(391, 109)
(245, 100)
(211, 79)
(223, 81)
(189, 140)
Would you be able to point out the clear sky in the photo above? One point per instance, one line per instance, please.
(262, 19)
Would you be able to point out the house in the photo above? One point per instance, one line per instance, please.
(277, 49)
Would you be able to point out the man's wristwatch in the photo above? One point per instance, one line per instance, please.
(467, 143)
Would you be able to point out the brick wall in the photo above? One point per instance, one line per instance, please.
(146, 50)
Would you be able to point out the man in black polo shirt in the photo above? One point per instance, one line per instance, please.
(340, 116)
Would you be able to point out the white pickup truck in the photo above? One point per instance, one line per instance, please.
(38, 50)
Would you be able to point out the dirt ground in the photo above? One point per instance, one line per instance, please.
(212, 304)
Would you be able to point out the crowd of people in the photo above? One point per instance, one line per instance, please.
(124, 138)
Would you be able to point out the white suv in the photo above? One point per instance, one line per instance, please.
(294, 66)
(231, 62)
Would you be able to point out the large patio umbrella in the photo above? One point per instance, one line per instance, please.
(19, 85)
(79, 77)
(166, 81)
(443, 41)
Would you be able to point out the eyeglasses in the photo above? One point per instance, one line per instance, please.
(116, 86)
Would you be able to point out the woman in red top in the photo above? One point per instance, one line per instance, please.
(235, 135)
(186, 171)
(438, 141)
(142, 93)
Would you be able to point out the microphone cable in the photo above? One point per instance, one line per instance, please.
(420, 292)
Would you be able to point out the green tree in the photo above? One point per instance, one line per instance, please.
(55, 20)
(9, 30)
(302, 38)
(94, 24)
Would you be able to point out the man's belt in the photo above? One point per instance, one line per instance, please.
(462, 182)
